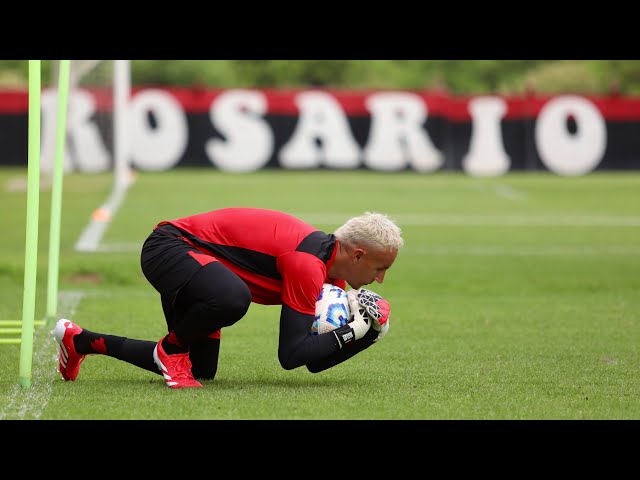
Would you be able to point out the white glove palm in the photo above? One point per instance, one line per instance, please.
(377, 308)
(360, 322)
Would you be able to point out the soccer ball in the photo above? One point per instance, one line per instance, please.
(332, 309)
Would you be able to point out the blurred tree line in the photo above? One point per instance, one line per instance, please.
(461, 77)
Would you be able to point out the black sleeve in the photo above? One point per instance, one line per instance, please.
(349, 350)
(297, 345)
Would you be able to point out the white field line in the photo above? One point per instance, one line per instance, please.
(29, 403)
(501, 190)
(480, 220)
(542, 250)
(450, 220)
(547, 250)
(509, 192)
(90, 238)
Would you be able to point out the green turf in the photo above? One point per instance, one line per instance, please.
(515, 297)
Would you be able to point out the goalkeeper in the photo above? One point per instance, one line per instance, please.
(208, 268)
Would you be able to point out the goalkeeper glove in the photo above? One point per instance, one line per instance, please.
(359, 324)
(378, 310)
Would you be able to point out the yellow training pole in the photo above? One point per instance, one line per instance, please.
(56, 193)
(31, 245)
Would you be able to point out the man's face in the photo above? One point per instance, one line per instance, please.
(369, 265)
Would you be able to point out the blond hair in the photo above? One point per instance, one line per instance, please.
(372, 228)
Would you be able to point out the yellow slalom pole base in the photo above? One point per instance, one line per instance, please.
(17, 323)
(13, 327)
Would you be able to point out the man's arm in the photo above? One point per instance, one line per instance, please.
(374, 311)
(346, 353)
(297, 346)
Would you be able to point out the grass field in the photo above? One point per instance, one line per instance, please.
(515, 297)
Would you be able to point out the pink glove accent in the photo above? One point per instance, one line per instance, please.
(377, 307)
(384, 309)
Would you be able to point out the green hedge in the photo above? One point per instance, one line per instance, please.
(457, 76)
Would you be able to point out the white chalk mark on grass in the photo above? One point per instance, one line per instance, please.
(524, 250)
(447, 220)
(511, 193)
(90, 238)
(481, 220)
(29, 403)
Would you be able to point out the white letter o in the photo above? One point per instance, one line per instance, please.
(157, 147)
(565, 153)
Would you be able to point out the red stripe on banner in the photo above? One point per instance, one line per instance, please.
(12, 101)
(352, 102)
(192, 100)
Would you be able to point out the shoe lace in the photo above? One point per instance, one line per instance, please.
(182, 366)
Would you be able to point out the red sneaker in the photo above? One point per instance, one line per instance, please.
(68, 359)
(175, 368)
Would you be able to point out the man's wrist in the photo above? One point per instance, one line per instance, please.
(370, 336)
(345, 335)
